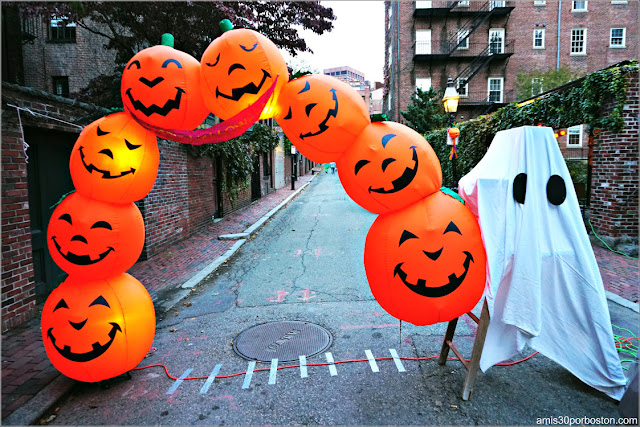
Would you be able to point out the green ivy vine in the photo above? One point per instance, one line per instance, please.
(238, 156)
(583, 103)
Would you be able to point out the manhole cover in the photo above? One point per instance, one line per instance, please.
(285, 341)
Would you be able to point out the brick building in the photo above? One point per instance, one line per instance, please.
(484, 45)
(355, 79)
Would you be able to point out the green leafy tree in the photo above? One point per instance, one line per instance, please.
(129, 27)
(425, 111)
(539, 81)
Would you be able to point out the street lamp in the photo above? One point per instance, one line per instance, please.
(293, 176)
(450, 101)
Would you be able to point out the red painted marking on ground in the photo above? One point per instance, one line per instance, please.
(279, 296)
(385, 325)
(298, 252)
(230, 399)
(306, 294)
(408, 340)
(318, 251)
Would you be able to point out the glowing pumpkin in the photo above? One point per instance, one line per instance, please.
(321, 115)
(92, 239)
(98, 329)
(388, 167)
(115, 160)
(237, 68)
(160, 85)
(454, 132)
(426, 263)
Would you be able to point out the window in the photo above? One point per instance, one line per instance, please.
(538, 39)
(423, 4)
(463, 87)
(574, 136)
(494, 4)
(423, 83)
(579, 41)
(463, 39)
(496, 40)
(537, 85)
(579, 6)
(390, 55)
(618, 37)
(61, 86)
(495, 89)
(539, 3)
(619, 2)
(423, 42)
(58, 32)
(463, 3)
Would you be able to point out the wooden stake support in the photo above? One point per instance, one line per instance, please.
(473, 364)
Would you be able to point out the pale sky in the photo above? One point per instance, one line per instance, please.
(356, 41)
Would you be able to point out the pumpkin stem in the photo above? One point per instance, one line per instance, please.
(167, 40)
(225, 25)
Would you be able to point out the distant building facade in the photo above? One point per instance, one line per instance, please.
(355, 79)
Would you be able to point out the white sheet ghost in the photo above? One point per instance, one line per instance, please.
(544, 287)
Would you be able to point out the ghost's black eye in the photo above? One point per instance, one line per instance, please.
(520, 187)
(556, 190)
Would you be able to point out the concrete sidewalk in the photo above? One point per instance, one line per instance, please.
(31, 385)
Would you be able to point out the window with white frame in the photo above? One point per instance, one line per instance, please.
(540, 3)
(537, 85)
(390, 14)
(463, 87)
(579, 6)
(423, 83)
(618, 37)
(579, 41)
(574, 136)
(538, 38)
(423, 4)
(619, 2)
(390, 55)
(494, 4)
(495, 89)
(61, 31)
(463, 3)
(423, 42)
(496, 40)
(463, 39)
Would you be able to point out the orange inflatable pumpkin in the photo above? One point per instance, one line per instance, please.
(98, 329)
(237, 68)
(426, 263)
(160, 85)
(92, 239)
(388, 167)
(115, 160)
(454, 132)
(321, 115)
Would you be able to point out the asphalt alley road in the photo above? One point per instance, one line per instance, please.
(306, 264)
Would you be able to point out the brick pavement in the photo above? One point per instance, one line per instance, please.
(26, 369)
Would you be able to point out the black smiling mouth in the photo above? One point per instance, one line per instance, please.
(239, 92)
(169, 106)
(323, 125)
(80, 259)
(105, 174)
(421, 287)
(404, 180)
(98, 350)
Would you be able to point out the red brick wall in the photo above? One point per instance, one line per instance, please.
(614, 194)
(202, 194)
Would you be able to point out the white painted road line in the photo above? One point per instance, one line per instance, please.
(207, 384)
(332, 367)
(303, 367)
(249, 374)
(273, 371)
(372, 361)
(397, 360)
(179, 381)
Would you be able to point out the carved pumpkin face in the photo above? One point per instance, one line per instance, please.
(115, 160)
(426, 263)
(98, 329)
(92, 239)
(389, 167)
(237, 68)
(160, 85)
(321, 115)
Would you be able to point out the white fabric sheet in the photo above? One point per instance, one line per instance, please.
(544, 288)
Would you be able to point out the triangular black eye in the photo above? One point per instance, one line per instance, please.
(288, 116)
(61, 304)
(309, 107)
(452, 227)
(66, 217)
(101, 132)
(131, 146)
(387, 162)
(520, 187)
(100, 300)
(556, 190)
(359, 166)
(102, 224)
(305, 88)
(406, 235)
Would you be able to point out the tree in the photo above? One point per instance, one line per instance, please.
(425, 112)
(538, 81)
(130, 27)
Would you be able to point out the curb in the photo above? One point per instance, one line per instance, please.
(623, 302)
(38, 405)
